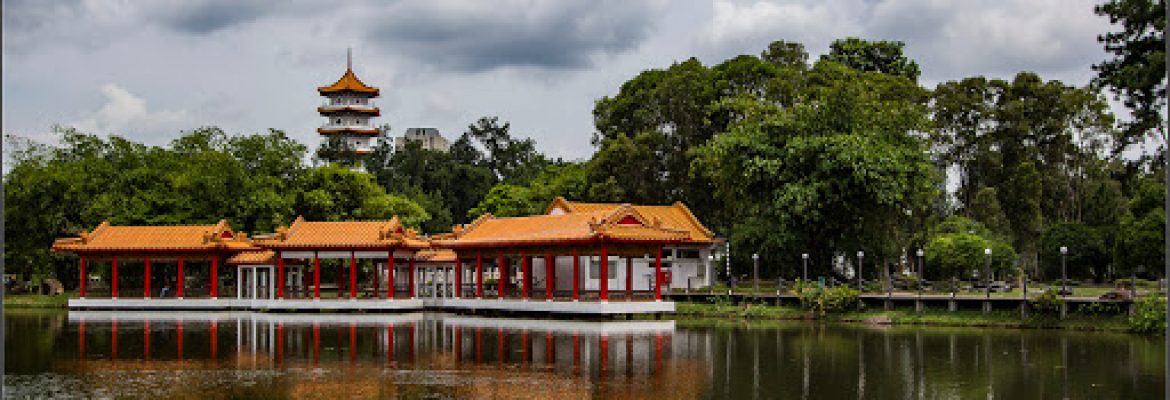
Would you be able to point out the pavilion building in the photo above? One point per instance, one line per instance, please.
(348, 108)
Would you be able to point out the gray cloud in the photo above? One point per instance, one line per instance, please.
(477, 36)
(207, 16)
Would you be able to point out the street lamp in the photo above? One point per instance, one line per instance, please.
(860, 262)
(921, 268)
(987, 271)
(1063, 271)
(804, 257)
(755, 273)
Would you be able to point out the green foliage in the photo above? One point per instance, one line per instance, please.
(1149, 315)
(873, 56)
(1136, 70)
(956, 249)
(1087, 255)
(828, 300)
(1141, 236)
(507, 201)
(1047, 303)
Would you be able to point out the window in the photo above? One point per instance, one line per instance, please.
(667, 253)
(689, 254)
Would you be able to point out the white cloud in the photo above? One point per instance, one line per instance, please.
(125, 113)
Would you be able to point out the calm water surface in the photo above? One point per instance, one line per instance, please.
(249, 355)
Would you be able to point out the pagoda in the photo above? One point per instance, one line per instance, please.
(348, 109)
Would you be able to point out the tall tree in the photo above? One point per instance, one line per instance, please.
(1136, 71)
(873, 56)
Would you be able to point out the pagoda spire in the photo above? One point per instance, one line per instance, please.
(349, 58)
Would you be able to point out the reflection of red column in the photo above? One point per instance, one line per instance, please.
(179, 282)
(352, 276)
(214, 339)
(658, 351)
(390, 275)
(550, 350)
(576, 276)
(524, 347)
(550, 280)
(458, 345)
(146, 278)
(316, 277)
(603, 279)
(280, 343)
(478, 276)
(352, 343)
(576, 351)
(410, 337)
(478, 345)
(215, 277)
(390, 341)
(658, 275)
(179, 337)
(84, 279)
(501, 352)
(114, 278)
(316, 343)
(526, 281)
(113, 339)
(81, 338)
(279, 276)
(146, 340)
(458, 277)
(604, 353)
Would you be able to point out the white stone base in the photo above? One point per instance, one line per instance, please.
(554, 307)
(418, 304)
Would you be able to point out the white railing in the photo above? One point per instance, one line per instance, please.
(342, 105)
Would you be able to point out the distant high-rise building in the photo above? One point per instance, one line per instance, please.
(427, 138)
(348, 109)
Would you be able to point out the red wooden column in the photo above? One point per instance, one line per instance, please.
(215, 277)
(658, 275)
(478, 275)
(114, 279)
(179, 285)
(390, 275)
(413, 293)
(84, 278)
(502, 285)
(550, 280)
(458, 277)
(526, 282)
(352, 276)
(316, 277)
(279, 276)
(146, 278)
(603, 279)
(576, 276)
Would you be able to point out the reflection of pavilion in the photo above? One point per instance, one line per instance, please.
(577, 258)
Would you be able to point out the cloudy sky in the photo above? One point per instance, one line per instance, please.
(150, 69)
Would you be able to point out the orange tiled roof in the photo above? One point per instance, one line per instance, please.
(435, 256)
(624, 224)
(198, 238)
(344, 234)
(253, 257)
(675, 216)
(349, 82)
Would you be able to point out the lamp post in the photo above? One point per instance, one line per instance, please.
(1063, 271)
(921, 268)
(755, 273)
(727, 263)
(860, 262)
(804, 258)
(987, 272)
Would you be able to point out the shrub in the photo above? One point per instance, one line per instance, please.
(824, 301)
(1149, 315)
(1048, 302)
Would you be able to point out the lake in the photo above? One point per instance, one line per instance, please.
(425, 355)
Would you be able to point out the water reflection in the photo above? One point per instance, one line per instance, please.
(251, 355)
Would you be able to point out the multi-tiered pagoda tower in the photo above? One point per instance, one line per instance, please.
(348, 109)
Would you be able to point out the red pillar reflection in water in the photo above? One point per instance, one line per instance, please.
(478, 345)
(316, 343)
(524, 347)
(458, 345)
(81, 337)
(657, 351)
(214, 339)
(501, 351)
(352, 343)
(410, 337)
(179, 337)
(576, 352)
(113, 339)
(550, 350)
(146, 340)
(604, 357)
(390, 341)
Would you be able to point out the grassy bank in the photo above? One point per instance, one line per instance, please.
(38, 300)
(931, 317)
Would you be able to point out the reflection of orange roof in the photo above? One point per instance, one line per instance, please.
(435, 256)
(675, 216)
(349, 83)
(622, 224)
(255, 257)
(197, 238)
(345, 234)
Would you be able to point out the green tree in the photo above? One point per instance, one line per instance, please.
(1136, 71)
(506, 200)
(1087, 258)
(873, 56)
